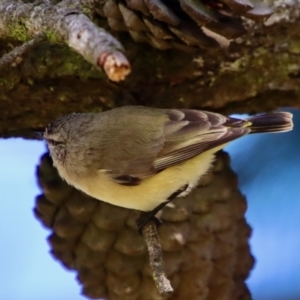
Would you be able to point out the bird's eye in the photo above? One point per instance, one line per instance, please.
(54, 143)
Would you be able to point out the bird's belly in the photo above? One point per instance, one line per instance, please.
(151, 191)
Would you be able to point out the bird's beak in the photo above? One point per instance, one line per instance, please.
(38, 134)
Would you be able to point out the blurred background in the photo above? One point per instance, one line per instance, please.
(268, 167)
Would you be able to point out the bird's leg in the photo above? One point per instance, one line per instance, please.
(147, 216)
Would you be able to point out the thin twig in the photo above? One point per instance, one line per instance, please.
(15, 56)
(155, 258)
(65, 23)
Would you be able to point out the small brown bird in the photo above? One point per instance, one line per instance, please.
(141, 158)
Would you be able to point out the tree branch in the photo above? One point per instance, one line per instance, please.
(65, 23)
(14, 57)
(155, 259)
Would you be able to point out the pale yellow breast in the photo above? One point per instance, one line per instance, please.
(153, 190)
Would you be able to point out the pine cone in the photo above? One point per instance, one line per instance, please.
(204, 238)
(182, 24)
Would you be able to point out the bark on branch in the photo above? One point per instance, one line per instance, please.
(65, 23)
(258, 72)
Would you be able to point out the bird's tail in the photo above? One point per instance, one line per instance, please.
(271, 122)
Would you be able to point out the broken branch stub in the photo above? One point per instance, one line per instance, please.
(62, 23)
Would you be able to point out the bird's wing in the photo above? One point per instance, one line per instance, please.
(191, 132)
(181, 135)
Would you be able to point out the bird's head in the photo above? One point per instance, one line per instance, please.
(57, 136)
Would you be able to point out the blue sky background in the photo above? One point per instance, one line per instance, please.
(269, 170)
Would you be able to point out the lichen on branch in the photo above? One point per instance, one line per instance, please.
(65, 23)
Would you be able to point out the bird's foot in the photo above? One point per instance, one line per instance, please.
(145, 218)
(148, 216)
